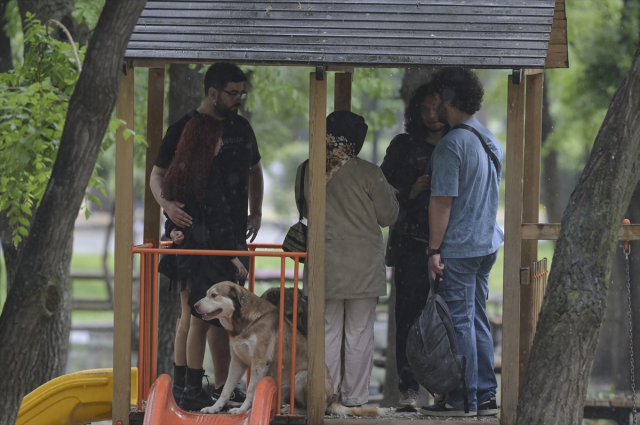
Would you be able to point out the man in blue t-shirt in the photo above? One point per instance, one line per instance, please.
(464, 236)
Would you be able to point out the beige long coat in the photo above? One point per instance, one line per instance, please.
(359, 202)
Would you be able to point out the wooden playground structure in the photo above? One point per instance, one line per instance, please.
(523, 36)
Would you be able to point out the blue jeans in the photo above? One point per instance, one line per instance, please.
(465, 288)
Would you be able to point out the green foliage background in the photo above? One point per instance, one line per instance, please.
(34, 98)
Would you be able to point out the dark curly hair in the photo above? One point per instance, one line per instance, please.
(187, 176)
(222, 73)
(460, 86)
(413, 123)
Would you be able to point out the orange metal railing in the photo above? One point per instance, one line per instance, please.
(147, 356)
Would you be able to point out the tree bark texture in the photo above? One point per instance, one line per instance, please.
(38, 290)
(60, 10)
(186, 90)
(6, 63)
(391, 378)
(185, 93)
(611, 365)
(552, 181)
(169, 311)
(574, 305)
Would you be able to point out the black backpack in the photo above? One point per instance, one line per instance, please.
(432, 349)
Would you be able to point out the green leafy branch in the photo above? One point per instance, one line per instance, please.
(33, 108)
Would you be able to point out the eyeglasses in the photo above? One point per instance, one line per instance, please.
(237, 95)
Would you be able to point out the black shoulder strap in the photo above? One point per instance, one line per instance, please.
(302, 199)
(489, 152)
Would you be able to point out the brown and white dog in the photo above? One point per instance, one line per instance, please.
(252, 324)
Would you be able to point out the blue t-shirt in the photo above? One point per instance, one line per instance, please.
(462, 169)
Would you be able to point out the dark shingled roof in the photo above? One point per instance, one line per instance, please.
(401, 33)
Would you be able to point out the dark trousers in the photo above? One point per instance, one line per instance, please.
(412, 289)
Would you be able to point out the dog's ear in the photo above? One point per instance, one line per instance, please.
(236, 293)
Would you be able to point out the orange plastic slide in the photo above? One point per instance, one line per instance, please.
(73, 399)
(162, 408)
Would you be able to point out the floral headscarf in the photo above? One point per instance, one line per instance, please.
(346, 132)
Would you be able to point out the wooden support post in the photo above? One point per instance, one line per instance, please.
(122, 258)
(155, 127)
(512, 245)
(316, 401)
(342, 91)
(530, 212)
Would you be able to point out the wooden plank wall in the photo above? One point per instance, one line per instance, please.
(316, 246)
(122, 256)
(558, 53)
(512, 249)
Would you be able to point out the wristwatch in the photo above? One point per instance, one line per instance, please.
(431, 251)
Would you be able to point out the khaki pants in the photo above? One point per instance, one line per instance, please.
(356, 317)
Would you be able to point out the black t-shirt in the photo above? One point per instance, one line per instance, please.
(239, 153)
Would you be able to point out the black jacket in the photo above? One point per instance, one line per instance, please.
(212, 229)
(405, 161)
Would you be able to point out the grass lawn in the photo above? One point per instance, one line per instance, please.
(96, 289)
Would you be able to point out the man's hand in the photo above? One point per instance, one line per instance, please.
(423, 183)
(176, 214)
(253, 225)
(436, 265)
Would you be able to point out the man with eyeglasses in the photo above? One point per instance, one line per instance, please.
(239, 163)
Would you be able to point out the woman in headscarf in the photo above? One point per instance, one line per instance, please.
(359, 201)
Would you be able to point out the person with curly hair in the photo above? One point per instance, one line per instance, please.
(403, 166)
(195, 181)
(464, 237)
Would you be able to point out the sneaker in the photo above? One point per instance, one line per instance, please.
(235, 399)
(408, 401)
(443, 409)
(488, 408)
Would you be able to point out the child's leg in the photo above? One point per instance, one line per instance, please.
(196, 342)
(180, 346)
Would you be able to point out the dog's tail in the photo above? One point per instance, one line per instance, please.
(336, 408)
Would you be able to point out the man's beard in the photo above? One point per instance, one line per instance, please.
(222, 110)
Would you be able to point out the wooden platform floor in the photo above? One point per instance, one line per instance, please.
(391, 417)
(418, 420)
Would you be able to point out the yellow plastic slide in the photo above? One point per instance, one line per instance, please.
(78, 398)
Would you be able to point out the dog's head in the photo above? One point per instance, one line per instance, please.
(222, 300)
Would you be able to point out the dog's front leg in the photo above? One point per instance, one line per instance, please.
(258, 371)
(236, 369)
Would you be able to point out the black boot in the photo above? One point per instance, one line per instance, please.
(179, 377)
(194, 398)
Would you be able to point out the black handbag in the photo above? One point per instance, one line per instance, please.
(296, 238)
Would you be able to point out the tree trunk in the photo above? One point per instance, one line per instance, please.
(185, 93)
(574, 305)
(60, 10)
(611, 365)
(411, 80)
(185, 90)
(391, 378)
(38, 290)
(6, 63)
(552, 181)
